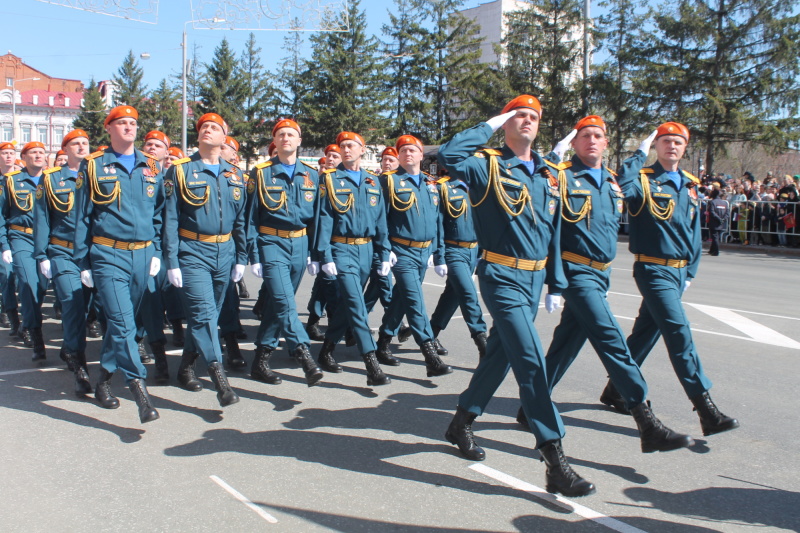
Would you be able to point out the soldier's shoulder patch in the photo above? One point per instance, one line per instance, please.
(169, 188)
(251, 186)
(265, 164)
(1, 190)
(40, 191)
(79, 180)
(182, 161)
(95, 155)
(51, 170)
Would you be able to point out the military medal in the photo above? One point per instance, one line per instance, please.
(551, 207)
(341, 183)
(402, 183)
(577, 183)
(273, 180)
(61, 183)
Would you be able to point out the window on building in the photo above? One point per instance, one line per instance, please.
(42, 134)
(9, 82)
(58, 135)
(8, 133)
(25, 133)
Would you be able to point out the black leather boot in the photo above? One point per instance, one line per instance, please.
(186, 376)
(480, 341)
(383, 353)
(94, 330)
(655, 436)
(312, 328)
(39, 353)
(325, 358)
(612, 398)
(82, 385)
(225, 394)
(102, 392)
(25, 336)
(178, 338)
(162, 368)
(375, 375)
(260, 370)
(433, 364)
(233, 355)
(440, 350)
(242, 287)
(459, 432)
(560, 476)
(403, 334)
(147, 413)
(712, 421)
(312, 371)
(145, 357)
(13, 319)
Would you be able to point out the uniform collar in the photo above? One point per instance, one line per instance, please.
(109, 157)
(578, 168)
(510, 160)
(343, 173)
(660, 175)
(277, 167)
(224, 166)
(23, 175)
(403, 175)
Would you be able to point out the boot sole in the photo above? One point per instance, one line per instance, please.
(714, 431)
(685, 443)
(435, 373)
(553, 490)
(150, 417)
(452, 440)
(371, 383)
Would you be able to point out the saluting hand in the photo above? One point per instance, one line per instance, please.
(499, 120)
(645, 146)
(563, 145)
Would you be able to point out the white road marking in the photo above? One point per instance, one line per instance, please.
(752, 329)
(564, 503)
(29, 370)
(745, 311)
(239, 496)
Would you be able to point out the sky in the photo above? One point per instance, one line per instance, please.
(69, 43)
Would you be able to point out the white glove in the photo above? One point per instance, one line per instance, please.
(330, 269)
(499, 120)
(686, 285)
(44, 268)
(155, 266)
(645, 146)
(256, 269)
(430, 260)
(175, 277)
(86, 278)
(312, 268)
(8, 257)
(384, 269)
(563, 145)
(441, 270)
(392, 259)
(237, 273)
(552, 302)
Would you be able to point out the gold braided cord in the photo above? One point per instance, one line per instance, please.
(96, 193)
(188, 196)
(337, 205)
(262, 192)
(398, 204)
(12, 192)
(54, 201)
(506, 202)
(452, 211)
(576, 216)
(658, 212)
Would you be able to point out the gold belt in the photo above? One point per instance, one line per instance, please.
(462, 244)
(575, 258)
(59, 242)
(23, 229)
(286, 234)
(351, 240)
(203, 238)
(412, 244)
(674, 263)
(513, 262)
(121, 245)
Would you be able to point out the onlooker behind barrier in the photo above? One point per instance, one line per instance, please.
(717, 213)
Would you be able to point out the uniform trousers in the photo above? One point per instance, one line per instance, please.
(407, 297)
(8, 286)
(378, 287)
(31, 284)
(459, 291)
(75, 298)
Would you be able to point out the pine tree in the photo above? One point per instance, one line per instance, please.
(165, 110)
(222, 89)
(259, 95)
(92, 115)
(129, 89)
(292, 87)
(345, 81)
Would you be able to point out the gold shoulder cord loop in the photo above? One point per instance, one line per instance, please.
(647, 198)
(12, 193)
(452, 211)
(398, 204)
(337, 205)
(571, 216)
(506, 202)
(188, 196)
(96, 193)
(53, 200)
(263, 192)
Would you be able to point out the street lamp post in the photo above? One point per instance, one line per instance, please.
(14, 104)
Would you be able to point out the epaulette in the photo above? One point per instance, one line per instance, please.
(151, 156)
(443, 179)
(647, 170)
(556, 166)
(307, 165)
(389, 172)
(51, 170)
(13, 172)
(329, 170)
(265, 164)
(692, 177)
(611, 172)
(182, 161)
(95, 154)
(429, 176)
(372, 173)
(492, 151)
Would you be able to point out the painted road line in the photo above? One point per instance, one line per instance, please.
(751, 328)
(239, 496)
(564, 503)
(745, 311)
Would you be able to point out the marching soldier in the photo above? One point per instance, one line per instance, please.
(9, 318)
(205, 246)
(16, 238)
(352, 225)
(53, 238)
(120, 199)
(515, 199)
(283, 208)
(665, 239)
(415, 231)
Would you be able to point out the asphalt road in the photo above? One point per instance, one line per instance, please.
(342, 456)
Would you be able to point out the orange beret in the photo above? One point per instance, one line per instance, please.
(233, 143)
(349, 136)
(591, 120)
(390, 150)
(322, 162)
(175, 151)
(523, 100)
(121, 111)
(7, 146)
(673, 128)
(30, 146)
(333, 148)
(404, 140)
(61, 152)
(212, 117)
(272, 146)
(286, 123)
(74, 134)
(157, 135)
